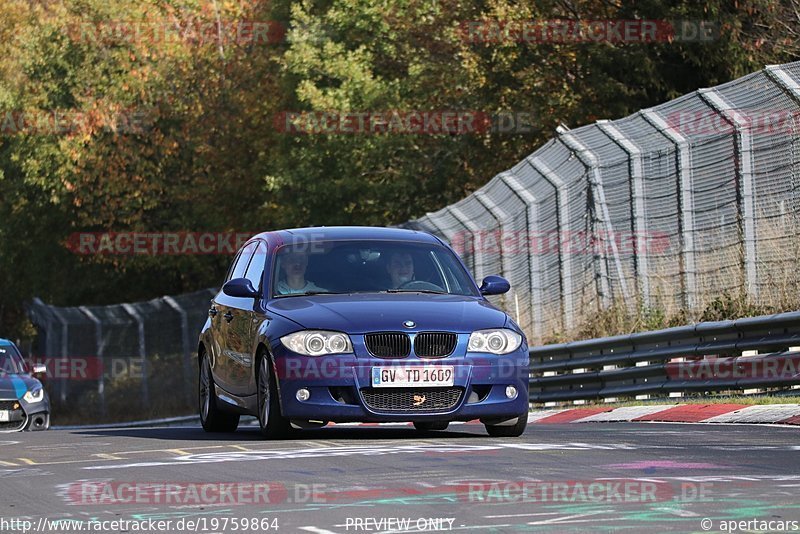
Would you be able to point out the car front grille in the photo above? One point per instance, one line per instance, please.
(17, 415)
(434, 344)
(388, 344)
(409, 400)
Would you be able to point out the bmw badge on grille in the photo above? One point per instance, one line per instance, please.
(409, 324)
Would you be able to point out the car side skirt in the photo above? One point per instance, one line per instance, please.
(230, 403)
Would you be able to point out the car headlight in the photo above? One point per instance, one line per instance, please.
(494, 341)
(34, 395)
(318, 343)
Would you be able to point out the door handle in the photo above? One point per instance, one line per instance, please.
(213, 311)
(228, 316)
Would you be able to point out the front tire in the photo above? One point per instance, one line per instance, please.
(38, 421)
(272, 423)
(211, 417)
(510, 431)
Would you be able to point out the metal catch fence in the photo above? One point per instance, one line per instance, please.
(143, 351)
(668, 208)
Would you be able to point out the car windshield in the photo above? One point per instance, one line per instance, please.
(368, 266)
(10, 362)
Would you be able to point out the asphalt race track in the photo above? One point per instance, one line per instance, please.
(634, 477)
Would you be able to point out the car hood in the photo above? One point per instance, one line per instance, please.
(361, 313)
(14, 386)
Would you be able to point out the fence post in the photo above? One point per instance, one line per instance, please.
(64, 350)
(684, 168)
(784, 81)
(437, 229)
(567, 282)
(187, 351)
(41, 310)
(534, 264)
(133, 312)
(477, 254)
(499, 217)
(98, 336)
(637, 204)
(790, 86)
(601, 218)
(744, 147)
(440, 231)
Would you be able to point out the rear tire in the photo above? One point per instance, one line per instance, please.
(211, 417)
(511, 431)
(272, 423)
(429, 426)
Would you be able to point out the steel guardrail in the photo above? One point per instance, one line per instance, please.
(701, 357)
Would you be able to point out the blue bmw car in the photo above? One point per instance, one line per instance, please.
(24, 404)
(346, 324)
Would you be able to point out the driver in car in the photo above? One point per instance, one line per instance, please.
(292, 278)
(400, 268)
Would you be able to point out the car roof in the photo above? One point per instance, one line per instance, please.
(5, 341)
(333, 233)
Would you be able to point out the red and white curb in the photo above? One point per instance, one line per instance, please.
(788, 414)
(681, 413)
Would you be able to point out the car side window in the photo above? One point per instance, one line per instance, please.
(11, 360)
(242, 261)
(233, 265)
(20, 363)
(255, 271)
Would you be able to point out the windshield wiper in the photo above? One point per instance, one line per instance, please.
(309, 293)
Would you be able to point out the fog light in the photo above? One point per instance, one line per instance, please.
(303, 394)
(511, 392)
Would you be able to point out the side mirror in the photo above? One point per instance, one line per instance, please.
(494, 285)
(241, 288)
(39, 369)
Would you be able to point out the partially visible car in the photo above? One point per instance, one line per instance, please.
(24, 404)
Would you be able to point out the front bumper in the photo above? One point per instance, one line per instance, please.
(340, 388)
(24, 416)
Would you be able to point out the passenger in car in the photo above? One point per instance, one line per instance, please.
(400, 268)
(292, 278)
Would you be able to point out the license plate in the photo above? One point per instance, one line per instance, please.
(5, 416)
(407, 377)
